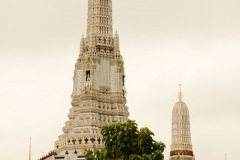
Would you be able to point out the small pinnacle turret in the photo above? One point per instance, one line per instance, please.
(181, 147)
(116, 44)
(82, 44)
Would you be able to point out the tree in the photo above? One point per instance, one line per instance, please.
(123, 141)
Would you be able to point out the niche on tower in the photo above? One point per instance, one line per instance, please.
(88, 69)
(88, 75)
(87, 86)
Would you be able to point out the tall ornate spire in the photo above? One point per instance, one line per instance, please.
(82, 44)
(99, 94)
(181, 136)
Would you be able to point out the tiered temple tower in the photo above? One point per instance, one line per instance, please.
(181, 148)
(99, 94)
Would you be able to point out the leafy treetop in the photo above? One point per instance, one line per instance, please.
(123, 141)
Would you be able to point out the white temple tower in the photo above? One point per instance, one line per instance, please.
(99, 94)
(181, 148)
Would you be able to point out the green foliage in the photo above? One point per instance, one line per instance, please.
(97, 155)
(123, 141)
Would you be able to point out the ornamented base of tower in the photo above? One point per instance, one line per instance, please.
(181, 155)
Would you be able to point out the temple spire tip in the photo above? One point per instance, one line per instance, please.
(180, 95)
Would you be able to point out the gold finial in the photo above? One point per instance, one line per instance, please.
(180, 95)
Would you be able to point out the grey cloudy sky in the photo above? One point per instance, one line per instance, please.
(164, 43)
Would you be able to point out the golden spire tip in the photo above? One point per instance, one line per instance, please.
(180, 95)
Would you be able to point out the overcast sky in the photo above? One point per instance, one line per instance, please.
(164, 43)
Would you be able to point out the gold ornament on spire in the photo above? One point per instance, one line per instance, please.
(180, 95)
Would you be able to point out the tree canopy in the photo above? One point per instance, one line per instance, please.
(123, 141)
